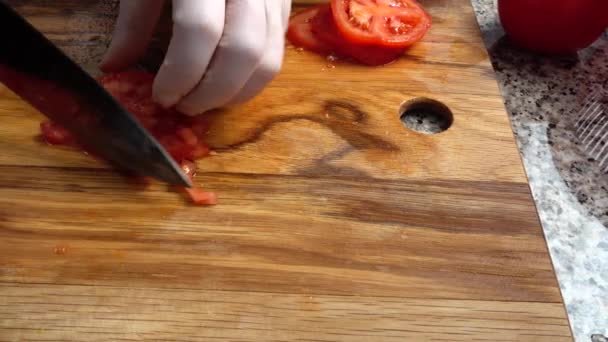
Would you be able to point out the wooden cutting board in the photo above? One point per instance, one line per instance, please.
(335, 222)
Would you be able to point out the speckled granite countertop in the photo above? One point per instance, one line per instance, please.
(544, 97)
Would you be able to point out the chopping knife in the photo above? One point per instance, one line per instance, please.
(40, 73)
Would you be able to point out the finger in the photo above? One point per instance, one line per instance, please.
(286, 12)
(135, 26)
(197, 29)
(238, 54)
(273, 58)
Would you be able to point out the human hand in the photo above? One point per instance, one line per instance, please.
(222, 52)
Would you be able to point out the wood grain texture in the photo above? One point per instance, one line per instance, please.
(336, 223)
(38, 312)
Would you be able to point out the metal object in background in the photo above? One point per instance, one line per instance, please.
(592, 127)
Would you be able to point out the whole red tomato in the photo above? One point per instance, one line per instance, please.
(554, 26)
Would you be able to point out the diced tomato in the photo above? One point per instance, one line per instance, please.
(189, 168)
(181, 135)
(199, 125)
(135, 82)
(200, 151)
(300, 31)
(54, 134)
(392, 23)
(198, 195)
(202, 197)
(148, 122)
(175, 146)
(141, 108)
(188, 136)
(324, 26)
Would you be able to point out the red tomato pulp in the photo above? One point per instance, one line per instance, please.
(182, 136)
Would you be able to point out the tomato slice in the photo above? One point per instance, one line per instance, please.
(395, 23)
(315, 30)
(300, 31)
(324, 27)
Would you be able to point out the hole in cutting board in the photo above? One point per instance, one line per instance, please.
(426, 115)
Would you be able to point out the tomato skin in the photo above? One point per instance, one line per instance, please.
(324, 27)
(300, 31)
(553, 26)
(410, 19)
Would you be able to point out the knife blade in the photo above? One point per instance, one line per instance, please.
(40, 73)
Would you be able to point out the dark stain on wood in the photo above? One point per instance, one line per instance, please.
(340, 120)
